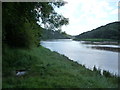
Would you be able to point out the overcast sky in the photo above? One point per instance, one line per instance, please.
(85, 15)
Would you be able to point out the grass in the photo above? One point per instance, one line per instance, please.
(49, 69)
(95, 39)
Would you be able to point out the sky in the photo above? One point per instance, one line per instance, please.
(85, 15)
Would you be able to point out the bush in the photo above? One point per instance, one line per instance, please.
(97, 70)
(94, 68)
(26, 35)
(106, 73)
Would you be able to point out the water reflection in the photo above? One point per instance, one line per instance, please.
(77, 51)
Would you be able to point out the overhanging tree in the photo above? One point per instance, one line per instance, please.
(19, 21)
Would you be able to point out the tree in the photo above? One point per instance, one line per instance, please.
(19, 21)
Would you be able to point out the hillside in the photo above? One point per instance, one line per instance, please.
(50, 34)
(109, 31)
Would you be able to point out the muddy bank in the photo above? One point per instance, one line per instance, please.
(106, 48)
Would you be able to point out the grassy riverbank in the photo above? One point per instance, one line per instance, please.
(99, 41)
(96, 40)
(46, 69)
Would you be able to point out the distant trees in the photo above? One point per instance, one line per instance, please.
(51, 34)
(20, 28)
(109, 31)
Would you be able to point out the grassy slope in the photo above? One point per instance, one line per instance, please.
(50, 70)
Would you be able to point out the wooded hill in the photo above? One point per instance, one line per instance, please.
(51, 34)
(109, 31)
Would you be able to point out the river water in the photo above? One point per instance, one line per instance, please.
(77, 51)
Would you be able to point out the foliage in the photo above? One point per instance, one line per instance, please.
(98, 71)
(106, 73)
(94, 68)
(109, 31)
(20, 28)
(51, 34)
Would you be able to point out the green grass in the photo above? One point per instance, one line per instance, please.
(49, 70)
(95, 40)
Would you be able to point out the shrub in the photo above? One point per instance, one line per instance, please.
(106, 73)
(94, 68)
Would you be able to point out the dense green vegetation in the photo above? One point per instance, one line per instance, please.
(51, 34)
(109, 32)
(46, 69)
(20, 28)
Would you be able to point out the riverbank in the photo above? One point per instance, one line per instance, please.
(106, 48)
(99, 41)
(47, 69)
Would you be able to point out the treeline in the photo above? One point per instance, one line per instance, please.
(51, 34)
(109, 31)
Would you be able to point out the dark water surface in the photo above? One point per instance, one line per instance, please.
(77, 51)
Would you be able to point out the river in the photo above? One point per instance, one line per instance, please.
(83, 54)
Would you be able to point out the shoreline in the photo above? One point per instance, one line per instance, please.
(99, 41)
(107, 48)
(51, 69)
(94, 67)
(117, 49)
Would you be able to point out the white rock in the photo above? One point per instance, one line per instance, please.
(20, 73)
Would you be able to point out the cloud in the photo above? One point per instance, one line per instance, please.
(85, 15)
